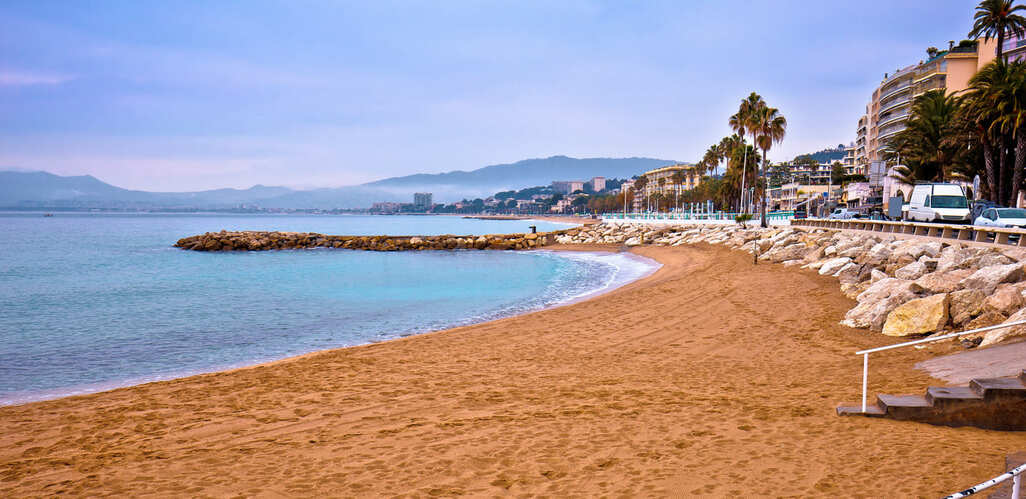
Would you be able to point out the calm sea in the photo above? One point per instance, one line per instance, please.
(90, 302)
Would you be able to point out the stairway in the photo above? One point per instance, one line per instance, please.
(991, 403)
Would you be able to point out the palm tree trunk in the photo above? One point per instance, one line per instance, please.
(1004, 179)
(1020, 163)
(744, 167)
(762, 197)
(1001, 43)
(992, 180)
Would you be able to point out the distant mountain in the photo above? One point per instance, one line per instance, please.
(21, 189)
(526, 173)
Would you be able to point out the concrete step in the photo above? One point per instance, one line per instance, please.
(903, 406)
(949, 396)
(999, 387)
(872, 410)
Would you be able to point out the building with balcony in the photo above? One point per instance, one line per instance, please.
(890, 104)
(1014, 48)
(661, 180)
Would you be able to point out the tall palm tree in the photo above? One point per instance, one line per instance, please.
(739, 124)
(677, 178)
(770, 127)
(749, 110)
(989, 91)
(713, 157)
(995, 18)
(1011, 121)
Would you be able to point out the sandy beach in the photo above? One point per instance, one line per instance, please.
(712, 377)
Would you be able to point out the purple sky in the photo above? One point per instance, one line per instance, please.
(197, 95)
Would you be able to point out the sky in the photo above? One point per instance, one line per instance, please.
(192, 95)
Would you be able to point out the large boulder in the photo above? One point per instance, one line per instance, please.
(932, 249)
(912, 271)
(953, 257)
(987, 279)
(833, 265)
(943, 282)
(999, 335)
(876, 256)
(879, 300)
(783, 253)
(918, 316)
(1006, 299)
(965, 304)
(986, 319)
(877, 276)
(850, 273)
(814, 254)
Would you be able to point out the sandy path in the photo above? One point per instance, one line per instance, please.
(711, 377)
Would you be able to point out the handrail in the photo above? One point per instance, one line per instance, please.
(1015, 474)
(865, 353)
(938, 338)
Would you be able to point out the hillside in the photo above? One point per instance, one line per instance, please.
(23, 190)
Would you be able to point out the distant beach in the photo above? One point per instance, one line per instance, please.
(710, 377)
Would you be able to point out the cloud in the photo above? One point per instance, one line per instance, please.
(17, 78)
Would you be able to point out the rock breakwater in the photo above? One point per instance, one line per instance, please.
(902, 286)
(264, 241)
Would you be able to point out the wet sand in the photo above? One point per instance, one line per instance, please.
(710, 377)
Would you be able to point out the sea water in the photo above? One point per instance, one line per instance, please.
(90, 302)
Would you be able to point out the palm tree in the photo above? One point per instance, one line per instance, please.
(987, 109)
(994, 18)
(739, 123)
(770, 127)
(677, 178)
(1011, 121)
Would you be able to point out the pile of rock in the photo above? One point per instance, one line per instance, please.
(262, 241)
(903, 287)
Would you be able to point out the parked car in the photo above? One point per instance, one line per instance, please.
(841, 214)
(1002, 217)
(982, 204)
(938, 203)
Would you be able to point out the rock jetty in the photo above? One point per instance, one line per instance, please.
(902, 286)
(264, 241)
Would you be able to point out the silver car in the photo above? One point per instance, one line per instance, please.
(1001, 217)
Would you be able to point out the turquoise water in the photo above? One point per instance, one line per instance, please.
(94, 301)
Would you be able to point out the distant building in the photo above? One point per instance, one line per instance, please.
(666, 174)
(422, 200)
(568, 186)
(385, 207)
(597, 184)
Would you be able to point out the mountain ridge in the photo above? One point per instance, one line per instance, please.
(40, 189)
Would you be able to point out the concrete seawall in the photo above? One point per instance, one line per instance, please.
(265, 241)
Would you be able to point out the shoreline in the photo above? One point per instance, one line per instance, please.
(694, 380)
(23, 398)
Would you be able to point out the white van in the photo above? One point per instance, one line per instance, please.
(938, 203)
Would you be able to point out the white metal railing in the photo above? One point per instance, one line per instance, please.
(1015, 474)
(865, 353)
